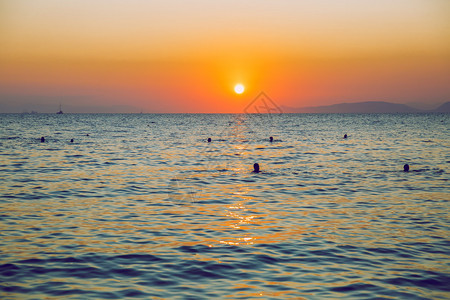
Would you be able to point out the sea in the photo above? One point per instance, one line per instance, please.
(142, 206)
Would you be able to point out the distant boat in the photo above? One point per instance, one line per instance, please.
(60, 112)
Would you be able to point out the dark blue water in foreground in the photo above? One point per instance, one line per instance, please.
(141, 206)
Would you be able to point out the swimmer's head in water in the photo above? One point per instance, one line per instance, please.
(406, 168)
(345, 136)
(209, 140)
(256, 168)
(42, 139)
(71, 140)
(271, 139)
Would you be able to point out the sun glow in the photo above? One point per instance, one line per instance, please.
(239, 88)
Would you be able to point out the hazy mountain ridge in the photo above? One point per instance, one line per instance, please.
(444, 108)
(366, 107)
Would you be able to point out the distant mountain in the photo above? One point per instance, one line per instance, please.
(444, 108)
(358, 107)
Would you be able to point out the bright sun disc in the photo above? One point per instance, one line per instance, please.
(239, 88)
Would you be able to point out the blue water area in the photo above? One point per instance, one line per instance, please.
(142, 206)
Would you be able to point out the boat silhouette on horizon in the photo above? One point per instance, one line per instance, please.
(60, 112)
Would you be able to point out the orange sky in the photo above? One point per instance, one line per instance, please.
(186, 56)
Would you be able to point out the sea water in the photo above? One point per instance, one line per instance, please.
(142, 206)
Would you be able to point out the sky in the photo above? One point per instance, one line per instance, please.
(187, 56)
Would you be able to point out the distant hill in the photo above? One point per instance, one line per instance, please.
(444, 108)
(361, 107)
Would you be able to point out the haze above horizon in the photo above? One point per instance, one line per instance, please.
(177, 56)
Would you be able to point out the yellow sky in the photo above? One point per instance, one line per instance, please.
(186, 56)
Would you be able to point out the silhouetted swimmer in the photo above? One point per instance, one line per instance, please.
(71, 140)
(345, 136)
(42, 139)
(209, 140)
(87, 134)
(271, 139)
(406, 168)
(256, 168)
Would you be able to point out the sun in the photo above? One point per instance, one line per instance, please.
(239, 88)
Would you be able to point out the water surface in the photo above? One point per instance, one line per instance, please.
(142, 206)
